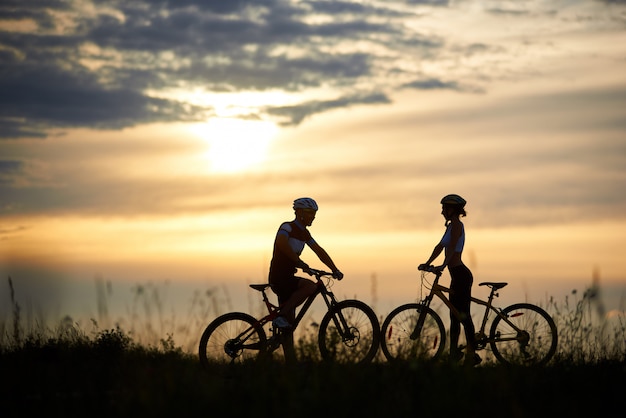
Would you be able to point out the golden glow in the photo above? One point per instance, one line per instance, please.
(232, 247)
(237, 240)
(236, 145)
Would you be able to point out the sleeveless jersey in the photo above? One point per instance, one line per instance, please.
(281, 265)
(445, 240)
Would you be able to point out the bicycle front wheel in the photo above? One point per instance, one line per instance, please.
(230, 338)
(523, 334)
(400, 342)
(349, 333)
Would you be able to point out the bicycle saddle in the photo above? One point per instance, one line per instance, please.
(260, 287)
(494, 285)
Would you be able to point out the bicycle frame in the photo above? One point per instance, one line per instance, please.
(520, 334)
(273, 309)
(440, 291)
(348, 332)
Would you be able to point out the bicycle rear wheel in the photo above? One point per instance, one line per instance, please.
(396, 341)
(535, 342)
(349, 333)
(230, 338)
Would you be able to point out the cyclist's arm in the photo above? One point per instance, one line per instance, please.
(436, 251)
(324, 257)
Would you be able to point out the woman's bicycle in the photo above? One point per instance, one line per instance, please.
(348, 333)
(521, 334)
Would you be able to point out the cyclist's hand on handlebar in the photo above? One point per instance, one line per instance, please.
(431, 269)
(337, 275)
(304, 266)
(437, 269)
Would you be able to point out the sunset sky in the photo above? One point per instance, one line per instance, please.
(166, 140)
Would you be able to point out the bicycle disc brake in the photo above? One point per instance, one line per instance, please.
(352, 337)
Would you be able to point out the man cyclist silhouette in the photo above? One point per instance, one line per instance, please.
(291, 290)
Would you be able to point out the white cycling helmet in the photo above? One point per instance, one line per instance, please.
(305, 203)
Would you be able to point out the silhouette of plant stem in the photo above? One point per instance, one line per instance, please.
(16, 315)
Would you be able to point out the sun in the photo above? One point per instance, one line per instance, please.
(237, 145)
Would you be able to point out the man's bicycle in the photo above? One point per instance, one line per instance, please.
(521, 334)
(348, 333)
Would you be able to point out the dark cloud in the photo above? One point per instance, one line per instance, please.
(9, 168)
(429, 2)
(337, 8)
(436, 84)
(49, 97)
(112, 65)
(507, 12)
(296, 114)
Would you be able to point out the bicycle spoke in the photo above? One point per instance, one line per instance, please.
(349, 334)
(233, 337)
(527, 337)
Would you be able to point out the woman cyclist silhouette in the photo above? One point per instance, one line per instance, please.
(453, 241)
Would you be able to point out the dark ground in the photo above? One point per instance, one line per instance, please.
(98, 383)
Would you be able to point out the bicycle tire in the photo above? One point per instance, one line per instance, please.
(396, 342)
(364, 329)
(219, 344)
(535, 345)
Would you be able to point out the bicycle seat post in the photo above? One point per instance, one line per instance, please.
(493, 294)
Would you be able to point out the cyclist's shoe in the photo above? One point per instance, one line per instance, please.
(472, 360)
(281, 322)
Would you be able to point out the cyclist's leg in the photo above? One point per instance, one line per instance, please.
(291, 293)
(460, 297)
(284, 287)
(289, 349)
(470, 333)
(455, 331)
(304, 289)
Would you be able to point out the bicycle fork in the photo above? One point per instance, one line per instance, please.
(346, 331)
(420, 320)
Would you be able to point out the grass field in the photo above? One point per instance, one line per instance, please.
(68, 371)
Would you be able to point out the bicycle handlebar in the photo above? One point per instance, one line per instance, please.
(430, 269)
(320, 273)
